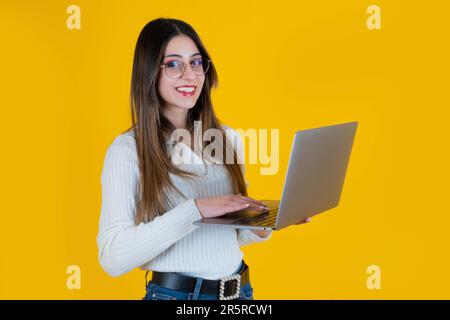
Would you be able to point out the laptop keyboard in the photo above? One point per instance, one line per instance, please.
(266, 219)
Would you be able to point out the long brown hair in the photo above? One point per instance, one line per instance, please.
(151, 127)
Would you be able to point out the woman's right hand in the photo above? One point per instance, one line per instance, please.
(212, 207)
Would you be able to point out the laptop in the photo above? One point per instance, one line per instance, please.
(313, 183)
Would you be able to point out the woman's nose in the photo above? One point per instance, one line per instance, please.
(189, 73)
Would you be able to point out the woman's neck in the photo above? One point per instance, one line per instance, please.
(176, 115)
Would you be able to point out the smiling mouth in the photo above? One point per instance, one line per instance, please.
(186, 90)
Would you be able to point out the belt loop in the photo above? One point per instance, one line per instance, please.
(146, 282)
(198, 286)
(242, 266)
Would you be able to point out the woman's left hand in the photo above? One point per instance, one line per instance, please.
(304, 221)
(264, 234)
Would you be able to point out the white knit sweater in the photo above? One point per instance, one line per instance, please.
(170, 242)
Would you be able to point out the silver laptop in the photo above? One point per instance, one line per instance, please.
(313, 182)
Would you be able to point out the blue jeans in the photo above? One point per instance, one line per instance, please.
(156, 292)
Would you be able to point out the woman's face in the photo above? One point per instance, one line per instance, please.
(175, 91)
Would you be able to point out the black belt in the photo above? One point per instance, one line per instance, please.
(227, 288)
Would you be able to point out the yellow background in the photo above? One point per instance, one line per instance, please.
(282, 64)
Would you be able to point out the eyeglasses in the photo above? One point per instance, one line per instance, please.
(175, 69)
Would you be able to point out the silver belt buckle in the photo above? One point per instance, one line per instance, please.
(223, 281)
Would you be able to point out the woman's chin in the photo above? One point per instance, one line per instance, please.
(186, 104)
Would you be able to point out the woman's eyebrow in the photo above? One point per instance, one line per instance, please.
(177, 55)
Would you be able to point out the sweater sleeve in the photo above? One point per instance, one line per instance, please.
(245, 236)
(122, 244)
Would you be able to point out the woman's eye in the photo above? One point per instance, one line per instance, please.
(174, 64)
(197, 62)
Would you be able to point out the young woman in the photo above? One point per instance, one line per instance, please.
(149, 204)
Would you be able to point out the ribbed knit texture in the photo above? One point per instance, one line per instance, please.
(170, 242)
